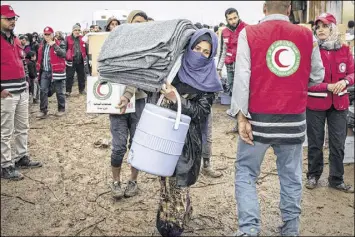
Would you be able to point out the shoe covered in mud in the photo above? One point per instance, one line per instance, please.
(67, 94)
(116, 190)
(25, 162)
(208, 171)
(35, 102)
(82, 92)
(311, 183)
(11, 173)
(131, 189)
(42, 115)
(60, 113)
(343, 187)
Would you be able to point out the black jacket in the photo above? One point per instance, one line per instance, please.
(197, 105)
(32, 71)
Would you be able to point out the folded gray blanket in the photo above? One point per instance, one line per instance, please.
(141, 83)
(142, 55)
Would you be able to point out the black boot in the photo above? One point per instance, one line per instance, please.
(25, 162)
(11, 173)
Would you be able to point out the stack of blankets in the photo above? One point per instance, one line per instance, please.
(142, 55)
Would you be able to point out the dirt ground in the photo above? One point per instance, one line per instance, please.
(70, 194)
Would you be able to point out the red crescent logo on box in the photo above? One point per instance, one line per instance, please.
(102, 91)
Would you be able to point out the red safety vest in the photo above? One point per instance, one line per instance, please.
(57, 63)
(338, 64)
(280, 69)
(70, 48)
(12, 57)
(230, 38)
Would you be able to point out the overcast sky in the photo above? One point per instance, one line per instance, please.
(62, 15)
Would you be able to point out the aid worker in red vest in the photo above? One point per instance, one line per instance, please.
(52, 75)
(329, 101)
(277, 62)
(76, 60)
(228, 48)
(14, 100)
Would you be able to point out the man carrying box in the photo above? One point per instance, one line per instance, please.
(121, 125)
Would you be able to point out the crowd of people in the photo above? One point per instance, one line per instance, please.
(276, 103)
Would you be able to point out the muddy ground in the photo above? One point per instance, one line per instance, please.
(70, 194)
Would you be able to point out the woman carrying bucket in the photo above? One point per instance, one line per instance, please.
(196, 82)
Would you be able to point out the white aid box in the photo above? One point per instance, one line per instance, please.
(104, 98)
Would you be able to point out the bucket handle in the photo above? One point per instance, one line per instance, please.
(178, 116)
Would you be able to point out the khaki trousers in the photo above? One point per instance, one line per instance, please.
(14, 122)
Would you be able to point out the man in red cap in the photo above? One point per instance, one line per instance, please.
(51, 68)
(14, 100)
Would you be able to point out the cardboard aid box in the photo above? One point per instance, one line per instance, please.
(309, 26)
(95, 40)
(104, 98)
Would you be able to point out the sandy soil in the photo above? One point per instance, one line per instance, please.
(70, 194)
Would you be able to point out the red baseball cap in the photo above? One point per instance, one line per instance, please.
(7, 11)
(48, 30)
(326, 18)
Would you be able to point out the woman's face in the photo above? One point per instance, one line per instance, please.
(204, 48)
(138, 19)
(113, 24)
(322, 30)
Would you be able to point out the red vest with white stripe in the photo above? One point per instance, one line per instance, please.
(338, 65)
(230, 38)
(280, 55)
(12, 57)
(280, 67)
(70, 48)
(57, 63)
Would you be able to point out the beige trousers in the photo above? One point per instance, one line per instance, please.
(14, 122)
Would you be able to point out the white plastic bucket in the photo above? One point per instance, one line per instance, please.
(159, 139)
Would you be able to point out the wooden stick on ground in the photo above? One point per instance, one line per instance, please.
(95, 224)
(18, 197)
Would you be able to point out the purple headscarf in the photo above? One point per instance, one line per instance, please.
(198, 71)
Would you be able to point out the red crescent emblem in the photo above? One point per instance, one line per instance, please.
(277, 58)
(98, 90)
